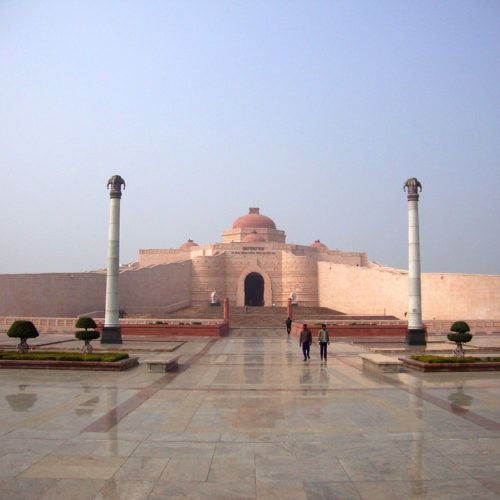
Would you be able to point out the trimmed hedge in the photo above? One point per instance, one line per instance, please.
(429, 358)
(460, 327)
(105, 357)
(85, 322)
(460, 337)
(87, 334)
(23, 329)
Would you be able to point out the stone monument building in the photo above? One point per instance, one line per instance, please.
(252, 265)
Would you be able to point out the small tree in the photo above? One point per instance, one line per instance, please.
(86, 335)
(460, 336)
(23, 330)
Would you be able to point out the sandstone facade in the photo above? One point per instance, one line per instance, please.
(253, 265)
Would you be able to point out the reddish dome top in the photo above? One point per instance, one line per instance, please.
(254, 219)
(253, 237)
(188, 244)
(317, 244)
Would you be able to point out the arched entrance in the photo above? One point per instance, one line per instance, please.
(254, 290)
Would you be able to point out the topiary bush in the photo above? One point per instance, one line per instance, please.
(460, 336)
(23, 330)
(86, 335)
(460, 327)
(85, 322)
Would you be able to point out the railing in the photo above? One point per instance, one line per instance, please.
(66, 325)
(476, 325)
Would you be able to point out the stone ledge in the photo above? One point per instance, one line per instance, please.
(381, 363)
(124, 364)
(163, 363)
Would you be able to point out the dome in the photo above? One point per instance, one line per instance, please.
(188, 244)
(254, 220)
(317, 244)
(253, 237)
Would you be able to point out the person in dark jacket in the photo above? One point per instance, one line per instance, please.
(324, 340)
(305, 341)
(288, 323)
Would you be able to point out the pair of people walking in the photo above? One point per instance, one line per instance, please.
(305, 341)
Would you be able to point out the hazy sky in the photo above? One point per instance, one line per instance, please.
(315, 111)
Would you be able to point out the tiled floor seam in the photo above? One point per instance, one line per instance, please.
(453, 408)
(113, 417)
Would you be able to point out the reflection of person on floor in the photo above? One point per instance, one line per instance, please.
(305, 341)
(324, 340)
(305, 378)
(288, 323)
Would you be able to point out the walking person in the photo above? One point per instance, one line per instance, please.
(324, 340)
(305, 341)
(288, 323)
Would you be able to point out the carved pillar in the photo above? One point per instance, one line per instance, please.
(111, 331)
(415, 334)
(226, 309)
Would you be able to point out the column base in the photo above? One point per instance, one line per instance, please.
(111, 335)
(415, 336)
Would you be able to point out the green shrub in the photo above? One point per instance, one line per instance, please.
(460, 327)
(23, 329)
(85, 322)
(64, 356)
(158, 322)
(196, 323)
(87, 334)
(430, 358)
(69, 357)
(460, 337)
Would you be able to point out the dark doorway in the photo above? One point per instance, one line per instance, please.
(254, 290)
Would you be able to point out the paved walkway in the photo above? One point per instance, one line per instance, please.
(245, 417)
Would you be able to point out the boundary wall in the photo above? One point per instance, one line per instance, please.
(384, 291)
(151, 290)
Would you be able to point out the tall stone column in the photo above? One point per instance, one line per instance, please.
(111, 331)
(415, 334)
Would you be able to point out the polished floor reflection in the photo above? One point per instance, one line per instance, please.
(245, 417)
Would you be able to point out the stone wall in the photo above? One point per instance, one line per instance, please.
(147, 290)
(370, 291)
(154, 290)
(473, 296)
(51, 294)
(207, 275)
(299, 275)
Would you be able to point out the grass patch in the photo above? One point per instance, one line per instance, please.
(105, 357)
(429, 358)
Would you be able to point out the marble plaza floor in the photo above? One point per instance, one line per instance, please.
(246, 417)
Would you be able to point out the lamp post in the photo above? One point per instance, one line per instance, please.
(111, 331)
(415, 333)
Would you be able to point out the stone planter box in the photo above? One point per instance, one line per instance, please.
(480, 366)
(124, 364)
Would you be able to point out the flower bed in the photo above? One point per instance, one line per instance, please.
(60, 360)
(429, 363)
